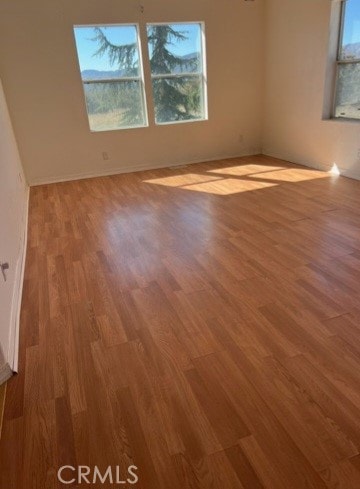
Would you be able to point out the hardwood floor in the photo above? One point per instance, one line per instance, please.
(2, 403)
(201, 323)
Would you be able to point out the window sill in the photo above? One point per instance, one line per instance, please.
(190, 121)
(126, 128)
(342, 120)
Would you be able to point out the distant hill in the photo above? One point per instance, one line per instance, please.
(192, 65)
(191, 56)
(352, 50)
(98, 75)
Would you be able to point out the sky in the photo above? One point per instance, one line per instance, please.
(126, 35)
(352, 22)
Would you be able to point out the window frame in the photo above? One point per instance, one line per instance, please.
(339, 62)
(140, 78)
(202, 75)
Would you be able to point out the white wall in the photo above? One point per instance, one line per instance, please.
(13, 209)
(297, 43)
(42, 82)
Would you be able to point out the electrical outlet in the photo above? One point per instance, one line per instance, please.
(241, 138)
(105, 156)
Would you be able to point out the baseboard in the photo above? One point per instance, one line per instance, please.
(13, 354)
(2, 404)
(345, 172)
(5, 373)
(285, 157)
(132, 169)
(349, 174)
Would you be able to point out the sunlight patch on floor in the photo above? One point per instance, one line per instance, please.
(228, 186)
(237, 179)
(183, 179)
(335, 170)
(290, 175)
(244, 170)
(205, 183)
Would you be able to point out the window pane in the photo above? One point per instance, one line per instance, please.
(178, 99)
(114, 105)
(175, 48)
(350, 43)
(107, 51)
(348, 91)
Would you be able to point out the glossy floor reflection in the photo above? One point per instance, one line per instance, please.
(201, 323)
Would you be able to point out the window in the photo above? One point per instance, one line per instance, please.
(347, 99)
(176, 53)
(112, 76)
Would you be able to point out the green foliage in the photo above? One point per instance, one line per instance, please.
(123, 56)
(349, 84)
(172, 96)
(123, 98)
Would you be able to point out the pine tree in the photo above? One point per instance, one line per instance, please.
(174, 98)
(170, 97)
(124, 58)
(122, 55)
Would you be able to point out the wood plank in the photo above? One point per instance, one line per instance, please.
(201, 323)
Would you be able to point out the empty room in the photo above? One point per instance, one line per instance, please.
(180, 244)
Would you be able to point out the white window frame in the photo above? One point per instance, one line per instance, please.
(202, 75)
(340, 61)
(139, 78)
